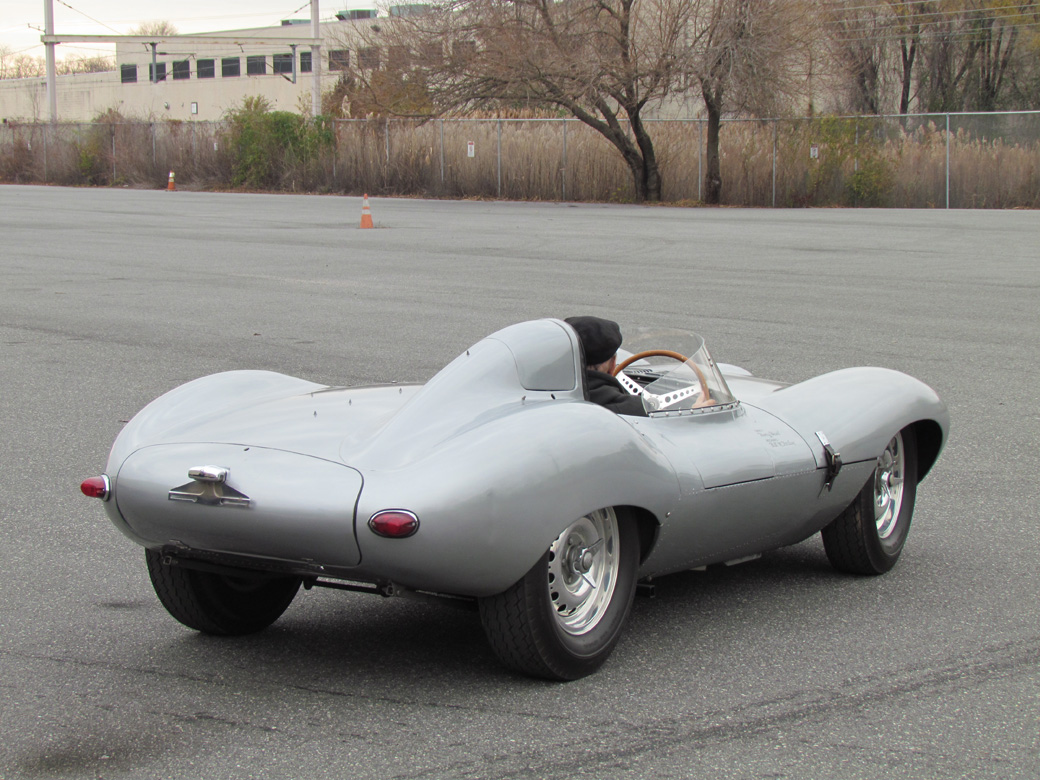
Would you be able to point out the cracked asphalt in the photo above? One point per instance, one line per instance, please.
(778, 668)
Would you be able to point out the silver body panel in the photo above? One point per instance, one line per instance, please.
(496, 455)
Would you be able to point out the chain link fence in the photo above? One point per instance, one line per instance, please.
(987, 160)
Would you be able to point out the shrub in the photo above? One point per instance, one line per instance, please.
(267, 145)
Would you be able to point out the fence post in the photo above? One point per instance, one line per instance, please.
(700, 154)
(113, 128)
(774, 162)
(947, 160)
(563, 171)
(500, 158)
(855, 162)
(151, 128)
(45, 173)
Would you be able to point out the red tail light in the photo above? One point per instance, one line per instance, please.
(394, 523)
(96, 487)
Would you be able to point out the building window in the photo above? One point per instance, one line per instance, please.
(230, 66)
(339, 59)
(181, 70)
(256, 65)
(204, 69)
(368, 57)
(282, 63)
(160, 71)
(128, 74)
(305, 62)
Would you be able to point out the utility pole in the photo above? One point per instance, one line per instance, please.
(52, 81)
(315, 61)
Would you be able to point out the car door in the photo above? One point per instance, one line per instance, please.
(748, 483)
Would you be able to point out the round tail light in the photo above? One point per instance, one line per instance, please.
(96, 487)
(394, 523)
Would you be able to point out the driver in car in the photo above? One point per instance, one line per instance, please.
(600, 340)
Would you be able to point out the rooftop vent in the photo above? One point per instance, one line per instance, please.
(353, 16)
(411, 9)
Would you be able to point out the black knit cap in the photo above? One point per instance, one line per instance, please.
(600, 338)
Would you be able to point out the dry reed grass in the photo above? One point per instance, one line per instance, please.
(866, 161)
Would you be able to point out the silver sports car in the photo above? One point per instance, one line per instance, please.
(498, 484)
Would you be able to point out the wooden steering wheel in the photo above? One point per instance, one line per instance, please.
(705, 393)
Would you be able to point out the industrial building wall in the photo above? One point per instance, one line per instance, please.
(81, 97)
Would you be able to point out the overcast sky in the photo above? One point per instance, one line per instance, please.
(117, 17)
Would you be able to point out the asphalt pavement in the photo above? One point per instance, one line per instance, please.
(778, 668)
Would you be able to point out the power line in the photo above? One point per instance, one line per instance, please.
(878, 22)
(885, 13)
(921, 35)
(113, 29)
(956, 26)
(905, 4)
(27, 48)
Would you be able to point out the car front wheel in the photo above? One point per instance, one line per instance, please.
(563, 618)
(218, 603)
(868, 536)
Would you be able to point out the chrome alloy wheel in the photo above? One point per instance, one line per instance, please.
(888, 487)
(583, 570)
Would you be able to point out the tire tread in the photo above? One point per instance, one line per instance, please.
(851, 540)
(204, 602)
(522, 632)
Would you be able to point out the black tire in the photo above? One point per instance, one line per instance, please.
(217, 603)
(869, 535)
(553, 623)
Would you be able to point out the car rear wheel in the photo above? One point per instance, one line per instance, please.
(217, 603)
(563, 618)
(868, 536)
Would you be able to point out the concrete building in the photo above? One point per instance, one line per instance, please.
(187, 79)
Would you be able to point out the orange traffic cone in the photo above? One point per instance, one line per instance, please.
(366, 214)
(171, 186)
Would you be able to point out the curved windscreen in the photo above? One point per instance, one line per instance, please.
(682, 376)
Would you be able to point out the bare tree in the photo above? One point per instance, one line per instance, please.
(22, 66)
(605, 62)
(161, 29)
(862, 36)
(747, 59)
(87, 63)
(609, 63)
(908, 22)
(1023, 79)
(994, 32)
(858, 34)
(969, 50)
(960, 54)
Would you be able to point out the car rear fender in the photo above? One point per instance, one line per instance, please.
(491, 500)
(181, 413)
